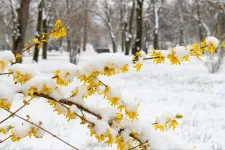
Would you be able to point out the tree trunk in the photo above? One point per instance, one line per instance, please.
(129, 31)
(85, 25)
(123, 22)
(181, 34)
(201, 37)
(18, 40)
(45, 30)
(156, 29)
(68, 28)
(139, 20)
(45, 44)
(38, 31)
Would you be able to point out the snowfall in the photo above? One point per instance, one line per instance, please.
(187, 89)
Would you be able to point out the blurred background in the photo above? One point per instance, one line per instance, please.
(111, 25)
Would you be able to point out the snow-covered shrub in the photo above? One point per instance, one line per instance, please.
(117, 124)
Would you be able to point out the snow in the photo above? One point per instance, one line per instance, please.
(212, 40)
(187, 89)
(181, 51)
(6, 57)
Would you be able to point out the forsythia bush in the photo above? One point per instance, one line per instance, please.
(117, 124)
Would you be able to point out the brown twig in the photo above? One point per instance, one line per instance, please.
(102, 83)
(42, 129)
(81, 117)
(1, 141)
(6, 73)
(67, 102)
(14, 112)
(151, 58)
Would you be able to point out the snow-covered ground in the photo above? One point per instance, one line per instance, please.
(187, 89)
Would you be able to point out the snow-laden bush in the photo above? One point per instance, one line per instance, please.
(117, 124)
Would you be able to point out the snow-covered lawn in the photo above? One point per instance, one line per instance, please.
(187, 89)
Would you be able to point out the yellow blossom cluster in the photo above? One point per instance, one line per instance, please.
(167, 123)
(21, 78)
(180, 54)
(28, 131)
(4, 103)
(61, 110)
(62, 80)
(58, 30)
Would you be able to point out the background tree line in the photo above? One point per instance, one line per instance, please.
(121, 25)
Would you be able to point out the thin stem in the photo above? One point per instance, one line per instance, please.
(6, 73)
(81, 117)
(1, 141)
(14, 112)
(42, 129)
(29, 47)
(102, 83)
(151, 58)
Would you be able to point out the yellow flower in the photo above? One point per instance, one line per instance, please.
(211, 48)
(173, 59)
(58, 31)
(4, 103)
(114, 100)
(160, 127)
(109, 71)
(158, 57)
(2, 64)
(119, 116)
(138, 67)
(137, 56)
(70, 115)
(14, 138)
(51, 102)
(100, 137)
(18, 56)
(120, 143)
(74, 93)
(203, 44)
(83, 78)
(106, 91)
(2, 130)
(185, 58)
(120, 108)
(36, 41)
(131, 115)
(124, 69)
(21, 78)
(31, 132)
(31, 92)
(46, 90)
(173, 124)
(44, 37)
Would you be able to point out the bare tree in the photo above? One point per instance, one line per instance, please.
(139, 21)
(85, 29)
(38, 31)
(22, 20)
(128, 29)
